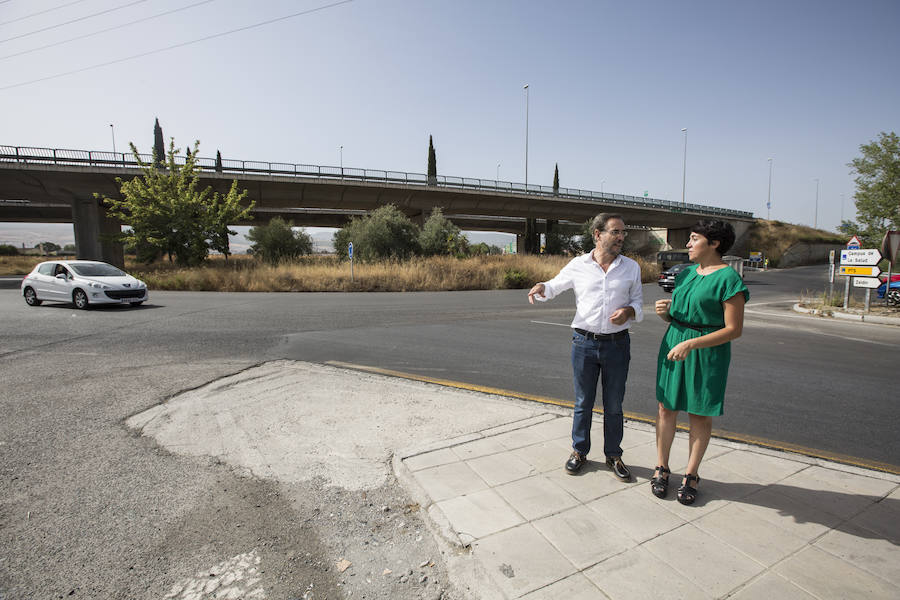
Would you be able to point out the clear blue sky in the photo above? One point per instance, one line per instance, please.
(611, 85)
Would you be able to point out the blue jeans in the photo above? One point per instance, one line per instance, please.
(606, 360)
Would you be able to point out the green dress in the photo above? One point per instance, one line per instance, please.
(697, 384)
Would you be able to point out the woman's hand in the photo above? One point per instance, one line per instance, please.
(680, 351)
(662, 309)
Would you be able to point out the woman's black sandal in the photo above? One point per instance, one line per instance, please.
(686, 493)
(660, 484)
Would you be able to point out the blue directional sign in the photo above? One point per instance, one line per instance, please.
(350, 249)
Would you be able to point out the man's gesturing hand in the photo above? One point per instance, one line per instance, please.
(621, 316)
(537, 290)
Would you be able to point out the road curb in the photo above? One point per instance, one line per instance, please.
(847, 316)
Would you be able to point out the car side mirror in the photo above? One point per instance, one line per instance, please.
(61, 276)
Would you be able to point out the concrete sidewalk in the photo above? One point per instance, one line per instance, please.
(766, 523)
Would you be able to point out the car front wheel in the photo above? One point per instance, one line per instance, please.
(31, 298)
(80, 299)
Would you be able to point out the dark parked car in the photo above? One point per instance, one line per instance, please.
(893, 296)
(667, 278)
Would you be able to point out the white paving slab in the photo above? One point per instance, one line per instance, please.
(638, 574)
(446, 481)
(749, 533)
(535, 497)
(771, 585)
(479, 514)
(497, 469)
(710, 563)
(640, 515)
(574, 587)
(865, 550)
(583, 536)
(828, 577)
(520, 560)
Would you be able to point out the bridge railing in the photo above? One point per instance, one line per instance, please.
(95, 158)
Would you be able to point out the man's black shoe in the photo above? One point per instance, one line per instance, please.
(618, 468)
(575, 462)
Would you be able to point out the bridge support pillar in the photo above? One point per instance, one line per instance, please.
(678, 238)
(92, 226)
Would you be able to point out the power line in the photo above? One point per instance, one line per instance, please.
(40, 12)
(87, 35)
(181, 45)
(102, 12)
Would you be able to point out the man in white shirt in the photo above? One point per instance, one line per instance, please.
(608, 298)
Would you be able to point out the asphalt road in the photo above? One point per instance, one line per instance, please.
(795, 379)
(75, 483)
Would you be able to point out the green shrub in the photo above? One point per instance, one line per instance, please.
(516, 280)
(8, 250)
(386, 233)
(277, 241)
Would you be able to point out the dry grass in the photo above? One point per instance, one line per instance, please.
(328, 274)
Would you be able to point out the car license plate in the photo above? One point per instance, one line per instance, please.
(126, 300)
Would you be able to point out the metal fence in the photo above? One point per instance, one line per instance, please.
(121, 160)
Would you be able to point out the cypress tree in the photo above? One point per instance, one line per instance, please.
(432, 163)
(159, 147)
(556, 179)
(218, 162)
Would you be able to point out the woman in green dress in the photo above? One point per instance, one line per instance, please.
(705, 313)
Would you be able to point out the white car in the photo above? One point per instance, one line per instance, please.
(83, 283)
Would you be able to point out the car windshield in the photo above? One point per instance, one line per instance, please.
(96, 270)
(679, 268)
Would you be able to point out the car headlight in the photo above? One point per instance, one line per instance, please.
(95, 284)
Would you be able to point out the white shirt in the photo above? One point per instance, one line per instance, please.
(599, 293)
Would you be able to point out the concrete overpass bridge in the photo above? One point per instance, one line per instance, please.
(46, 185)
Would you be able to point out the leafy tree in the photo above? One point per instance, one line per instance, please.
(482, 249)
(48, 247)
(877, 190)
(385, 233)
(159, 146)
(432, 162)
(277, 241)
(8, 250)
(440, 236)
(69, 248)
(218, 162)
(556, 179)
(167, 213)
(223, 211)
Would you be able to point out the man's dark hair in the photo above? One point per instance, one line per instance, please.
(716, 230)
(600, 220)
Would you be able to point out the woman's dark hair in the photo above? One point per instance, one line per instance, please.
(714, 229)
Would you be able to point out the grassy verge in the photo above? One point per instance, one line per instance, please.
(328, 274)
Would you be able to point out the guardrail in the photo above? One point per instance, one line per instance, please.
(57, 156)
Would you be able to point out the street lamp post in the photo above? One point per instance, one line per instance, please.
(684, 170)
(816, 213)
(602, 181)
(341, 150)
(769, 199)
(526, 136)
(113, 132)
(498, 173)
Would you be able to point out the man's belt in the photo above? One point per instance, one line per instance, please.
(696, 326)
(601, 336)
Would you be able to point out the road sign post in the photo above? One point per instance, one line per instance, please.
(350, 252)
(860, 265)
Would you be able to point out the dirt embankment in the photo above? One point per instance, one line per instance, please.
(788, 245)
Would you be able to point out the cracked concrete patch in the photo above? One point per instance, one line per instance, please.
(294, 421)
